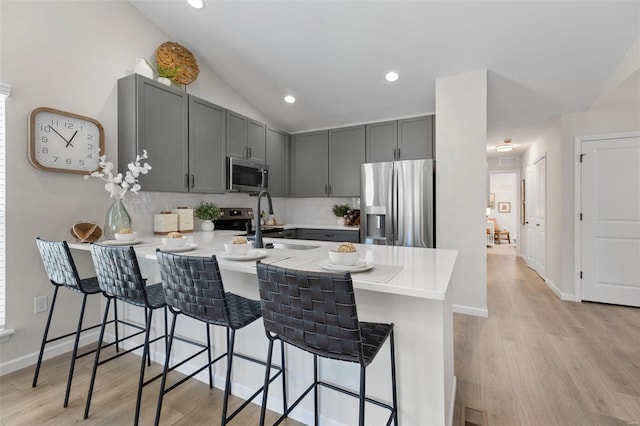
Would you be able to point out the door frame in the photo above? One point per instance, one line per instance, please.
(517, 203)
(577, 204)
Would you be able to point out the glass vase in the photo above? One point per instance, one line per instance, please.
(117, 220)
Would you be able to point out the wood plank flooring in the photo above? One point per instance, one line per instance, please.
(540, 361)
(535, 361)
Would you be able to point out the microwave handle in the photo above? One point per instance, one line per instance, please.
(264, 179)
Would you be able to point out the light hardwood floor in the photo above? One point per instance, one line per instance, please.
(535, 361)
(540, 361)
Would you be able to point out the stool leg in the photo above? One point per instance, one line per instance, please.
(44, 337)
(165, 371)
(362, 394)
(209, 356)
(147, 311)
(394, 388)
(74, 353)
(97, 358)
(284, 381)
(316, 414)
(227, 384)
(115, 323)
(265, 391)
(145, 356)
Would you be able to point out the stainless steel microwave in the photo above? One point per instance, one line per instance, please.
(246, 176)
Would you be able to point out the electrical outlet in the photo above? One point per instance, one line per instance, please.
(39, 304)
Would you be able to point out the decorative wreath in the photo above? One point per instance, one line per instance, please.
(178, 60)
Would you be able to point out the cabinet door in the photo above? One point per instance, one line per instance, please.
(153, 116)
(346, 155)
(206, 147)
(310, 157)
(382, 141)
(256, 140)
(277, 157)
(236, 134)
(415, 138)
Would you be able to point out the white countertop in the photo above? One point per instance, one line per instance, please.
(425, 272)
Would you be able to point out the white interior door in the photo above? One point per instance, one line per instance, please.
(610, 227)
(535, 216)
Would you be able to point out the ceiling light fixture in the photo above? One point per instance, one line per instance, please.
(392, 76)
(289, 99)
(196, 4)
(506, 146)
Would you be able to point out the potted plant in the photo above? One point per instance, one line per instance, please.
(207, 212)
(167, 74)
(340, 211)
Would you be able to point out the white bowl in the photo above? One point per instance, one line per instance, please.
(174, 242)
(126, 237)
(343, 259)
(237, 248)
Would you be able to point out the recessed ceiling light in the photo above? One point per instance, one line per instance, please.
(196, 4)
(289, 99)
(392, 76)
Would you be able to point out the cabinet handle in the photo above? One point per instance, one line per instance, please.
(186, 180)
(326, 187)
(250, 152)
(329, 235)
(398, 154)
(395, 153)
(193, 181)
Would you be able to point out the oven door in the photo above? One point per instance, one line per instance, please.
(246, 176)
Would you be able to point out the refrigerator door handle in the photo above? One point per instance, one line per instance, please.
(389, 218)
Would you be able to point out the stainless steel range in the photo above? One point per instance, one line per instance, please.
(241, 219)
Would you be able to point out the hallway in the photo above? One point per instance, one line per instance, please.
(540, 361)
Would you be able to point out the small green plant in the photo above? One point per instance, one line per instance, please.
(207, 211)
(340, 210)
(167, 72)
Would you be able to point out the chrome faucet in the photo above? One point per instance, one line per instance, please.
(257, 242)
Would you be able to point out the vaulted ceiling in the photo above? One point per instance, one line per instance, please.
(543, 58)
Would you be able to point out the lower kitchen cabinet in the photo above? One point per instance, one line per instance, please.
(338, 235)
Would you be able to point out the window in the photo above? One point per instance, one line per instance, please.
(5, 90)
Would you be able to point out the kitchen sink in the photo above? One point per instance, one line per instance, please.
(288, 246)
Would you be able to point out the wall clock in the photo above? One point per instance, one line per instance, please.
(64, 142)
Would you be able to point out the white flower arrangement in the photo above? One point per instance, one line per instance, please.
(118, 185)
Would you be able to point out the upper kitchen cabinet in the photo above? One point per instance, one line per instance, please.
(154, 117)
(183, 135)
(408, 139)
(245, 137)
(277, 157)
(207, 165)
(346, 155)
(327, 163)
(310, 164)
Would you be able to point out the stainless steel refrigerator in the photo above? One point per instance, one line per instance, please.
(397, 203)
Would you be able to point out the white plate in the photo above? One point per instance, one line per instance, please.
(120, 243)
(253, 254)
(361, 265)
(186, 247)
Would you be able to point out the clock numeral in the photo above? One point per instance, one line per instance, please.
(68, 125)
(81, 162)
(44, 139)
(89, 137)
(90, 146)
(68, 161)
(55, 159)
(89, 156)
(45, 128)
(54, 122)
(45, 150)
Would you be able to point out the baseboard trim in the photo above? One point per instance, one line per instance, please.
(51, 350)
(567, 297)
(469, 310)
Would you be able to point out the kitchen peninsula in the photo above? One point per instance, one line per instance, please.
(407, 286)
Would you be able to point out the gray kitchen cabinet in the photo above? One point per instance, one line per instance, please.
(153, 116)
(207, 163)
(277, 157)
(310, 164)
(346, 155)
(407, 139)
(337, 235)
(245, 137)
(183, 136)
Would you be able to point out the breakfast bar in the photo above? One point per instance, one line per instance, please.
(407, 286)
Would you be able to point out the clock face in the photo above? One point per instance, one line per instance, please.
(65, 142)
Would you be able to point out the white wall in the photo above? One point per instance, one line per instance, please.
(461, 138)
(69, 55)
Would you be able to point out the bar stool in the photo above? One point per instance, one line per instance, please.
(193, 287)
(119, 278)
(316, 312)
(62, 272)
